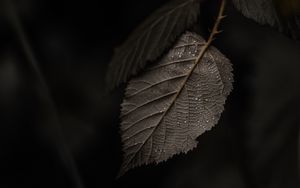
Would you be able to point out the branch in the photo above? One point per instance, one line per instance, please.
(214, 32)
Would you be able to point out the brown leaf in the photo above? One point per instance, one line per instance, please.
(173, 102)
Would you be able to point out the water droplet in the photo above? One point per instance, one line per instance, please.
(185, 121)
(196, 98)
(207, 121)
(206, 99)
(179, 55)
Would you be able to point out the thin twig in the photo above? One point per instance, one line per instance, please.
(214, 32)
(58, 142)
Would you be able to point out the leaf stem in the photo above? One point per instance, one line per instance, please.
(57, 139)
(213, 33)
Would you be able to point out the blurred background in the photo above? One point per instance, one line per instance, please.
(60, 128)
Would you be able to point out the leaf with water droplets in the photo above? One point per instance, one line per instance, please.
(171, 103)
(282, 14)
(151, 39)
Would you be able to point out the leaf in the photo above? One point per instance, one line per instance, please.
(173, 102)
(151, 39)
(282, 14)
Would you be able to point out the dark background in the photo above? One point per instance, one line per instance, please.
(73, 140)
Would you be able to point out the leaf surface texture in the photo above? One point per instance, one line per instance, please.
(170, 104)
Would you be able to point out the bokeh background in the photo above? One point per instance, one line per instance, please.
(72, 139)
